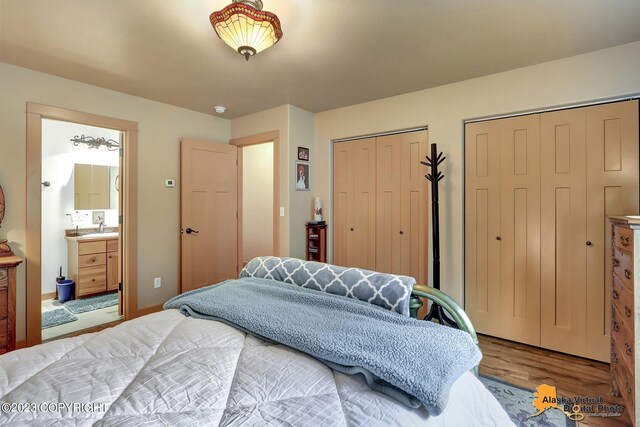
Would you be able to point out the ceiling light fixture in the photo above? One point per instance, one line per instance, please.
(246, 28)
(220, 109)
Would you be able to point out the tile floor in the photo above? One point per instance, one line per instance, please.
(85, 320)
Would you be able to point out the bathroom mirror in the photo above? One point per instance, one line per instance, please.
(95, 187)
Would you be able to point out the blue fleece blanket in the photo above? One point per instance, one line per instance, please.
(415, 362)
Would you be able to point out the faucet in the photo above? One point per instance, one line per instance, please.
(101, 227)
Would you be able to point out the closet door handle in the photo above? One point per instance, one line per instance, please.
(351, 229)
(401, 232)
(589, 243)
(498, 238)
(190, 230)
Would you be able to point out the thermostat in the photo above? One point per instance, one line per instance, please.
(170, 183)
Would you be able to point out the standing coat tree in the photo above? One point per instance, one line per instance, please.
(435, 176)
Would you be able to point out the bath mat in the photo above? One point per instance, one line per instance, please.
(92, 303)
(57, 317)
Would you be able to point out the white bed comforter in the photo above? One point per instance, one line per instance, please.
(167, 369)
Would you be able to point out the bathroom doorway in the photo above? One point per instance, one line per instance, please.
(80, 222)
(80, 270)
(258, 196)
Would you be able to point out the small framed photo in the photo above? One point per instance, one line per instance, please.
(302, 177)
(303, 154)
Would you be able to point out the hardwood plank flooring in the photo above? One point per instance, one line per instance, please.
(528, 367)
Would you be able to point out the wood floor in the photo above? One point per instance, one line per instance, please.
(528, 367)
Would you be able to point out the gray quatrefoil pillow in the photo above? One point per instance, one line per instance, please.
(385, 290)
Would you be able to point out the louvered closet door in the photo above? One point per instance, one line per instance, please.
(482, 226)
(564, 231)
(354, 203)
(520, 228)
(612, 189)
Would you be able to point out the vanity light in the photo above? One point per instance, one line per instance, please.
(96, 142)
(245, 27)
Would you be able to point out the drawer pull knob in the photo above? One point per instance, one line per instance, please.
(93, 280)
(628, 348)
(351, 229)
(614, 294)
(627, 311)
(614, 358)
(615, 326)
(624, 241)
(627, 273)
(93, 259)
(615, 262)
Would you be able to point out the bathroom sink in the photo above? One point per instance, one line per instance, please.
(97, 235)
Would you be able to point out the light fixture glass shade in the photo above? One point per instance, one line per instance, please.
(246, 29)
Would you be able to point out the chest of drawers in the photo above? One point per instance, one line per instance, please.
(625, 313)
(8, 303)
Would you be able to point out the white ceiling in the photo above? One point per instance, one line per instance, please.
(334, 52)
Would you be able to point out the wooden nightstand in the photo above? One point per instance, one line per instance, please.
(316, 242)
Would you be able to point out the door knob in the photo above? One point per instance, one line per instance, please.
(351, 229)
(498, 238)
(190, 230)
(589, 243)
(401, 232)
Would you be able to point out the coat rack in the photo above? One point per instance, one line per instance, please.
(435, 176)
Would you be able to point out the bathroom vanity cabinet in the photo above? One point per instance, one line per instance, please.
(93, 264)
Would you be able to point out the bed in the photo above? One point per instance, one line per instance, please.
(170, 369)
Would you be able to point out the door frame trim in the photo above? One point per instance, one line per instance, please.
(33, 245)
(261, 138)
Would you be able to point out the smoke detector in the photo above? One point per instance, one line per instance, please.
(220, 109)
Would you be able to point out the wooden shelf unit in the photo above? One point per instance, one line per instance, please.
(8, 303)
(317, 242)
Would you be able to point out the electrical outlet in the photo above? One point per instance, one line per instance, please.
(97, 217)
(157, 282)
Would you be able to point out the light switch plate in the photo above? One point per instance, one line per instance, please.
(281, 211)
(97, 217)
(157, 282)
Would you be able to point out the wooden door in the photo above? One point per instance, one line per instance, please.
(343, 203)
(564, 231)
(414, 207)
(482, 226)
(388, 202)
(354, 203)
(209, 222)
(612, 188)
(520, 228)
(402, 207)
(364, 204)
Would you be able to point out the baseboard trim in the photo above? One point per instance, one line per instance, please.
(48, 295)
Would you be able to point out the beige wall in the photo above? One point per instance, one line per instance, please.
(301, 129)
(257, 201)
(596, 75)
(160, 128)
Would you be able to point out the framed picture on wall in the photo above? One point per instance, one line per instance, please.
(302, 176)
(303, 154)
